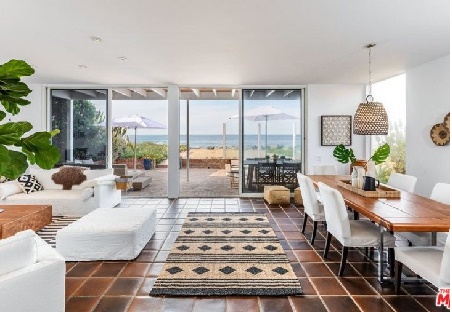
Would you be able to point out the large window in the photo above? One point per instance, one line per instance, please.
(392, 93)
(80, 115)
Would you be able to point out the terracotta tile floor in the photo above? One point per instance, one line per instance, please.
(124, 285)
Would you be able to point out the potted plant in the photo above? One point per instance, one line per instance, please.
(345, 155)
(35, 148)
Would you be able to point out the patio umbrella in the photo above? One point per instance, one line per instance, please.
(134, 122)
(265, 113)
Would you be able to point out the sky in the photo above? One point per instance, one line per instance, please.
(207, 117)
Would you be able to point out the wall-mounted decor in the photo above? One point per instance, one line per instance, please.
(336, 129)
(440, 133)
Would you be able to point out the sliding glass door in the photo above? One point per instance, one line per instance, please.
(271, 138)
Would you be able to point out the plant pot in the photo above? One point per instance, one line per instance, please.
(147, 164)
(359, 163)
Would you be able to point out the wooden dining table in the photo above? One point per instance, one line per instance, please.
(409, 213)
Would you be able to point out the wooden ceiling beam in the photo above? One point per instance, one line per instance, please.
(269, 93)
(160, 91)
(141, 92)
(196, 92)
(125, 92)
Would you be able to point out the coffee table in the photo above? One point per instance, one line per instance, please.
(18, 218)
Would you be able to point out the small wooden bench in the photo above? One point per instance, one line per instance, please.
(140, 183)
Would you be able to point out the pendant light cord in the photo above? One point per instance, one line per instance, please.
(370, 98)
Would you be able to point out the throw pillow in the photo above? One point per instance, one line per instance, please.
(17, 252)
(44, 177)
(4, 179)
(9, 188)
(69, 176)
(93, 174)
(29, 184)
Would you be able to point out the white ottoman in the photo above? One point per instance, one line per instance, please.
(107, 234)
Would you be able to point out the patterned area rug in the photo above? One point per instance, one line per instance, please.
(227, 254)
(48, 233)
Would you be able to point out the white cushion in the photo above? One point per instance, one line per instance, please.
(80, 194)
(424, 261)
(17, 252)
(9, 188)
(103, 180)
(88, 161)
(44, 177)
(92, 174)
(107, 234)
(365, 233)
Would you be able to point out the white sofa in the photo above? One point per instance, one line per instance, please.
(32, 275)
(97, 191)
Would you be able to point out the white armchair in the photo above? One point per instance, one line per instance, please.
(312, 207)
(402, 181)
(350, 233)
(440, 193)
(32, 275)
(432, 263)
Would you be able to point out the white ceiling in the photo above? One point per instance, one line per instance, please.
(221, 42)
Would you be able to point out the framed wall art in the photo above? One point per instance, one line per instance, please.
(336, 129)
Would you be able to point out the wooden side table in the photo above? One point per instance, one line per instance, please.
(124, 183)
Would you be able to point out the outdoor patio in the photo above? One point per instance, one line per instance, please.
(203, 183)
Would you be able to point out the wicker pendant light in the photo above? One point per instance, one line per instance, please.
(370, 117)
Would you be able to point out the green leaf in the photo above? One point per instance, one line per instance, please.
(4, 158)
(54, 132)
(381, 154)
(36, 141)
(47, 158)
(2, 115)
(17, 89)
(11, 132)
(343, 154)
(15, 68)
(17, 165)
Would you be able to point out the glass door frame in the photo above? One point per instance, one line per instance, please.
(173, 97)
(302, 129)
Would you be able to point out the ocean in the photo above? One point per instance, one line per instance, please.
(216, 140)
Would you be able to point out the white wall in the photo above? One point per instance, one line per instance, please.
(331, 100)
(428, 101)
(35, 112)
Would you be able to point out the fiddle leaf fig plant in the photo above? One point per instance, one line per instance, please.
(345, 155)
(35, 148)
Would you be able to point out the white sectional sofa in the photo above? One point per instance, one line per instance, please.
(97, 191)
(32, 275)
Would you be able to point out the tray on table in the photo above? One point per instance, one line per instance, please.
(381, 191)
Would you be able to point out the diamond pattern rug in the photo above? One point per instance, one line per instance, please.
(227, 254)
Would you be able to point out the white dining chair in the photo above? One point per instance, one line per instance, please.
(312, 207)
(325, 169)
(431, 263)
(440, 193)
(350, 233)
(402, 181)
